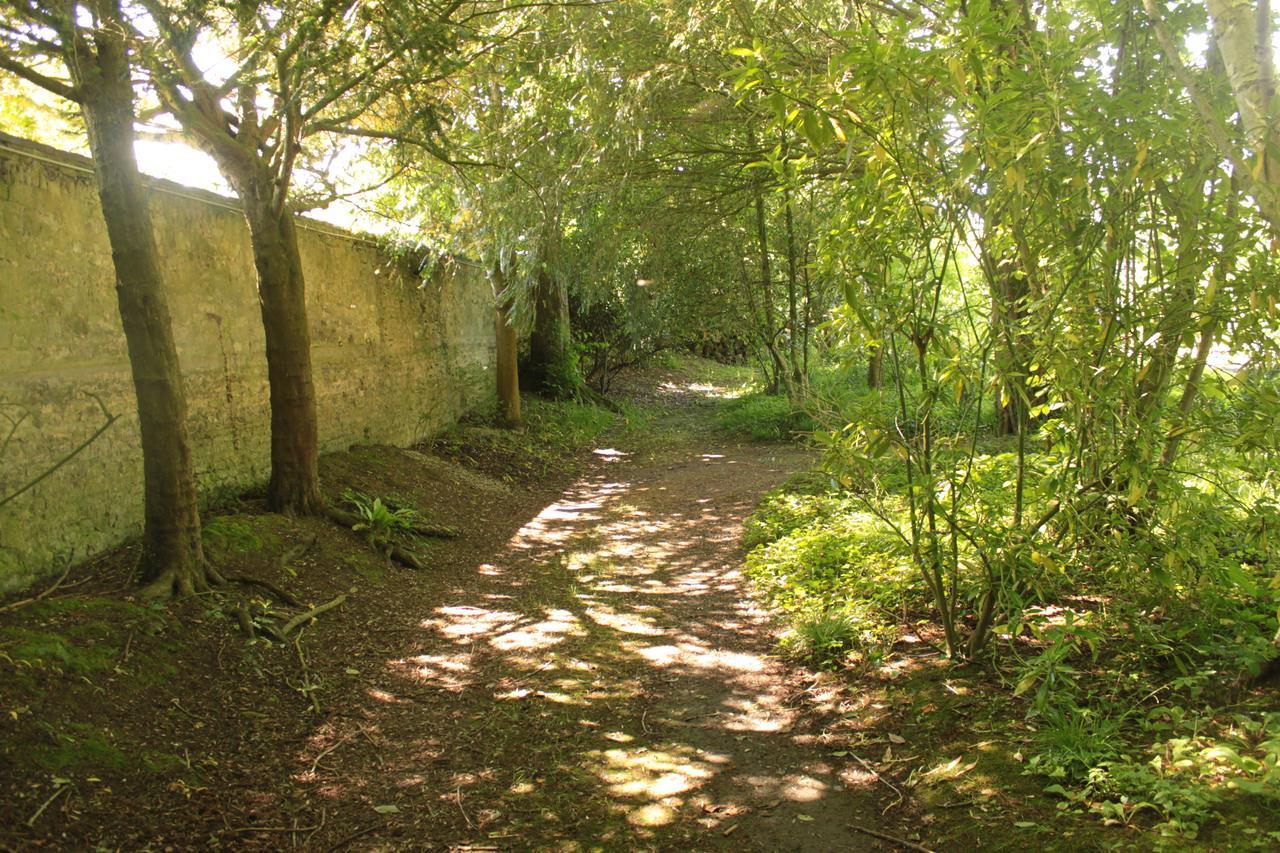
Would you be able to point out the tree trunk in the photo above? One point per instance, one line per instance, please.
(172, 559)
(793, 298)
(552, 366)
(1008, 297)
(508, 349)
(875, 366)
(1242, 34)
(295, 479)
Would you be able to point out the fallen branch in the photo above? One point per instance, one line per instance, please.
(311, 614)
(33, 599)
(892, 839)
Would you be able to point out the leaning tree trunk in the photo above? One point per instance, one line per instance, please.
(552, 367)
(508, 350)
(172, 560)
(294, 488)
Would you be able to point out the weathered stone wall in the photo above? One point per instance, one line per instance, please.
(394, 361)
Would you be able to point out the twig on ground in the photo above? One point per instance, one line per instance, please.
(323, 753)
(323, 815)
(343, 842)
(881, 779)
(377, 749)
(892, 839)
(31, 821)
(33, 599)
(307, 687)
(177, 704)
(465, 817)
(124, 655)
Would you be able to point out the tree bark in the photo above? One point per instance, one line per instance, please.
(172, 559)
(552, 367)
(294, 488)
(508, 349)
(875, 366)
(793, 297)
(1242, 33)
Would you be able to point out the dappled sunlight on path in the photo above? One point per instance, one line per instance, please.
(624, 681)
(602, 679)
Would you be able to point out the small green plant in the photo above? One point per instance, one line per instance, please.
(382, 520)
(826, 640)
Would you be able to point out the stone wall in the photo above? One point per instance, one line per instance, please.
(395, 359)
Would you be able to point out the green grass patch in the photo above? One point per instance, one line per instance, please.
(763, 417)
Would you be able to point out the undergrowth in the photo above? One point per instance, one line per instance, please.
(1128, 657)
(552, 431)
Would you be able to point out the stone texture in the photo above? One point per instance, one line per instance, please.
(395, 358)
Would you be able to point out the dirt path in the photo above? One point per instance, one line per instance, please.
(581, 669)
(607, 682)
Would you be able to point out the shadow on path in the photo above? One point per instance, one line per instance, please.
(607, 682)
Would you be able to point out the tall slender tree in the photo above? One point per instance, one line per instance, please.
(304, 74)
(91, 42)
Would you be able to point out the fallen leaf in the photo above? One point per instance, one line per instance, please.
(804, 817)
(898, 739)
(386, 809)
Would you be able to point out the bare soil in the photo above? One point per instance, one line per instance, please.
(581, 669)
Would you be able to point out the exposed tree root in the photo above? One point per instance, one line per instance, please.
(175, 583)
(590, 395)
(437, 531)
(241, 612)
(399, 553)
(283, 595)
(405, 557)
(254, 620)
(421, 528)
(286, 560)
